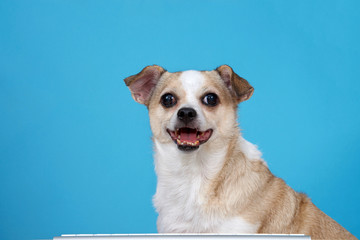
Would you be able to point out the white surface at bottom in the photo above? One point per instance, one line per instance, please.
(181, 236)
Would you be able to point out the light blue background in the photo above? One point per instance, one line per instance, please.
(75, 149)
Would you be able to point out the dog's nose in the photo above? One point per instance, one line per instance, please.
(186, 114)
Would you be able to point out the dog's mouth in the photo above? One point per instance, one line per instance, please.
(188, 139)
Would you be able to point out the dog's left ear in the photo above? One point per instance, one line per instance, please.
(142, 84)
(239, 87)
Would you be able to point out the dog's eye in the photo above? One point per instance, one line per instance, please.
(210, 99)
(168, 100)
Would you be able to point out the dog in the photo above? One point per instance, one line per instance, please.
(210, 179)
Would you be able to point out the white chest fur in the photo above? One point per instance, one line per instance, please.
(180, 197)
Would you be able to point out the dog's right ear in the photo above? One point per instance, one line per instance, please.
(142, 84)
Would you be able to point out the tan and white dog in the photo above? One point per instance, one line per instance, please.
(210, 179)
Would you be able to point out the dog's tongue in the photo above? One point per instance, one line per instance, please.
(188, 134)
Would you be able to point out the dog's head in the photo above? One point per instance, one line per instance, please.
(190, 108)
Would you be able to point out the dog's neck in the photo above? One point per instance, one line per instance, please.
(207, 161)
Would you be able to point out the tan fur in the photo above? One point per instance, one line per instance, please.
(243, 187)
(249, 189)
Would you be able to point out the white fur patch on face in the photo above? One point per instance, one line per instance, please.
(192, 81)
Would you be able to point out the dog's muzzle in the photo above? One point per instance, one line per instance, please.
(187, 137)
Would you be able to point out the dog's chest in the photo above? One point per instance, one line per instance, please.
(182, 200)
(179, 205)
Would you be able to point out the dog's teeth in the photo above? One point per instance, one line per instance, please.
(179, 142)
